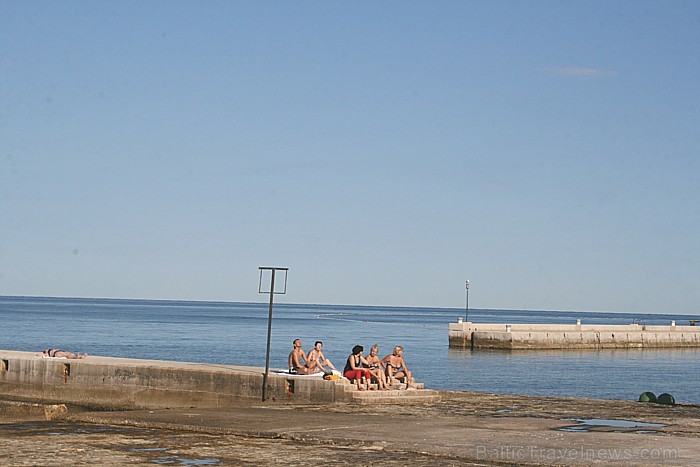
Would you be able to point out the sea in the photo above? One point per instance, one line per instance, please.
(236, 334)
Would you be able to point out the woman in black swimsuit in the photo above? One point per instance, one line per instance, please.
(396, 367)
(356, 367)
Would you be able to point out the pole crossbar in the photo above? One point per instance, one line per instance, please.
(272, 288)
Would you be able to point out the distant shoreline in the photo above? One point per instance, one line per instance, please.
(458, 310)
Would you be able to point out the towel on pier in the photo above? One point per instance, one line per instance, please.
(286, 372)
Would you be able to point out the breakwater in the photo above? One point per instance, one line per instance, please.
(127, 383)
(574, 336)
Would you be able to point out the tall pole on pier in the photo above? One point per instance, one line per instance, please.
(466, 315)
(269, 318)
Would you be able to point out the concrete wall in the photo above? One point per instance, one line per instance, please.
(545, 336)
(120, 383)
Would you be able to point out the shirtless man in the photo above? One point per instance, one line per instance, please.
(318, 360)
(296, 356)
(396, 367)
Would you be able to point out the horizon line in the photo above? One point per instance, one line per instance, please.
(335, 305)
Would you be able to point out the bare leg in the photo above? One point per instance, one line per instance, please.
(399, 375)
(384, 380)
(377, 374)
(409, 380)
(330, 365)
(406, 375)
(390, 374)
(315, 368)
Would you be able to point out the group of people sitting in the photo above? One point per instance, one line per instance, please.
(362, 370)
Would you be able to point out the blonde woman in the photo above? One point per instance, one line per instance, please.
(376, 368)
(396, 367)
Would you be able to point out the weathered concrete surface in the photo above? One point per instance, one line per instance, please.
(575, 336)
(461, 429)
(19, 411)
(130, 383)
(123, 383)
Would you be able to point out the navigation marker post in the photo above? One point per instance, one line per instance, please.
(466, 315)
(272, 292)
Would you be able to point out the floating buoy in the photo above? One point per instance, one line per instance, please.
(666, 399)
(647, 397)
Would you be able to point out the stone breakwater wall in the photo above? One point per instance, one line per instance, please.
(122, 383)
(576, 336)
(126, 383)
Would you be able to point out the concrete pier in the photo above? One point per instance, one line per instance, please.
(575, 336)
(124, 383)
(463, 429)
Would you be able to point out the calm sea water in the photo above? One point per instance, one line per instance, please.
(236, 333)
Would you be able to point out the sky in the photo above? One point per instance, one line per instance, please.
(384, 152)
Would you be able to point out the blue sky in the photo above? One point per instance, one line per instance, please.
(384, 151)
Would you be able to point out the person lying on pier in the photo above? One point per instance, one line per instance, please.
(356, 368)
(317, 359)
(396, 367)
(376, 368)
(58, 353)
(296, 357)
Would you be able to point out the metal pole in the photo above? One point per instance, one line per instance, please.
(269, 335)
(466, 314)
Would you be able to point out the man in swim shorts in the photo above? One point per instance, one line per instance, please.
(296, 356)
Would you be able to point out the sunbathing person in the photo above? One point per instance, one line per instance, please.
(296, 356)
(376, 368)
(356, 368)
(396, 367)
(58, 353)
(316, 359)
